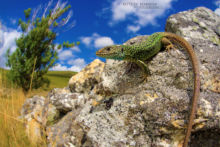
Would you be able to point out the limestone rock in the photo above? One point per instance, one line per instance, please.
(85, 80)
(32, 113)
(200, 24)
(64, 100)
(200, 27)
(67, 132)
(53, 114)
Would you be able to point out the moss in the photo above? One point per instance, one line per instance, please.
(204, 35)
(195, 20)
(215, 40)
(202, 25)
(53, 115)
(194, 28)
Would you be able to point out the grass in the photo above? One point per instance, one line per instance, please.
(12, 132)
(58, 79)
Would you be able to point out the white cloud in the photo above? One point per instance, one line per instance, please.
(79, 61)
(75, 68)
(217, 3)
(97, 40)
(65, 54)
(66, 57)
(120, 11)
(103, 41)
(13, 21)
(59, 67)
(141, 12)
(89, 39)
(86, 40)
(217, 11)
(75, 65)
(133, 29)
(75, 48)
(7, 40)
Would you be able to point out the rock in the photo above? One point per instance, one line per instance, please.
(112, 105)
(200, 24)
(52, 115)
(32, 113)
(85, 80)
(64, 100)
(67, 132)
(200, 27)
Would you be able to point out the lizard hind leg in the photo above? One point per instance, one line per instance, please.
(168, 44)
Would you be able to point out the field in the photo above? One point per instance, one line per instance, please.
(12, 132)
(58, 79)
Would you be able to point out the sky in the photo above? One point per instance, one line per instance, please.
(95, 23)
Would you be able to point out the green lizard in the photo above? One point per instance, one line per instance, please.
(150, 47)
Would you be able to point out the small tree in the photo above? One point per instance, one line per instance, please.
(36, 50)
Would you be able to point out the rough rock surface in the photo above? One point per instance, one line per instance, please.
(32, 113)
(84, 80)
(109, 104)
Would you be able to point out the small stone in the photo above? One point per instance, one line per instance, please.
(141, 102)
(95, 103)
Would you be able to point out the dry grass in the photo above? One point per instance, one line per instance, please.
(12, 131)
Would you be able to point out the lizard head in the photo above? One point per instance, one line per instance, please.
(111, 52)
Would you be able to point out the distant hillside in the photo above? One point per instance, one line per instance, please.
(58, 79)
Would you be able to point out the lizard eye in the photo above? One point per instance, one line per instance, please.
(108, 48)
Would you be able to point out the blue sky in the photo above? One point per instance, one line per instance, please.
(97, 23)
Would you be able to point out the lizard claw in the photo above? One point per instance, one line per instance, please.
(169, 47)
(145, 77)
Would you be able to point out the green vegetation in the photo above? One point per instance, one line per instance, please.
(57, 79)
(36, 50)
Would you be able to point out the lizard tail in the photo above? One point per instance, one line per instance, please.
(195, 64)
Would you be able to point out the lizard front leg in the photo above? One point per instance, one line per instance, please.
(167, 43)
(144, 68)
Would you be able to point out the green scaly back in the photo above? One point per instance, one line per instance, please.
(144, 50)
